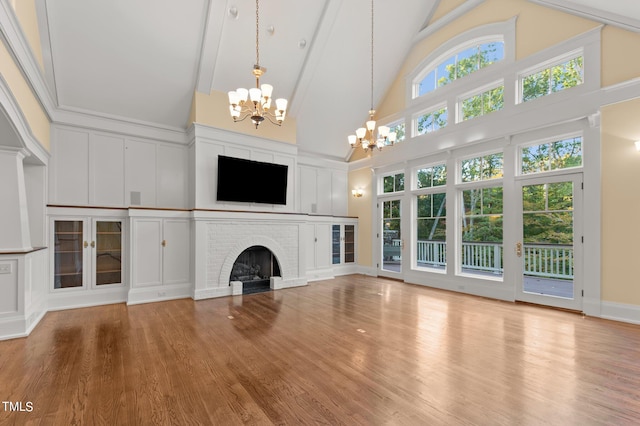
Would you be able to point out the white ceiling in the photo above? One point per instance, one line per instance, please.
(142, 60)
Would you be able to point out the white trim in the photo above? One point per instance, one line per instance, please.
(598, 15)
(19, 47)
(620, 312)
(461, 10)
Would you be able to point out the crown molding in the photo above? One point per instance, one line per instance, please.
(15, 40)
(11, 109)
(598, 15)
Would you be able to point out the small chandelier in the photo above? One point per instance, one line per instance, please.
(365, 136)
(255, 103)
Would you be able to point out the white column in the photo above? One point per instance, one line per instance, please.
(14, 219)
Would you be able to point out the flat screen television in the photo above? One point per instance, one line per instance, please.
(248, 181)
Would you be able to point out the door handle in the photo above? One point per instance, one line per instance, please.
(86, 244)
(93, 244)
(519, 249)
(164, 243)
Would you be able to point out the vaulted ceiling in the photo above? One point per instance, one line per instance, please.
(142, 60)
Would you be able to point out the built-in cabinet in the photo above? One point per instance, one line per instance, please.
(87, 252)
(331, 248)
(161, 248)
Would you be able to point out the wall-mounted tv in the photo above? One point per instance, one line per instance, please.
(248, 181)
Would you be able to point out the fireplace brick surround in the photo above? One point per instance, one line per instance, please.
(220, 240)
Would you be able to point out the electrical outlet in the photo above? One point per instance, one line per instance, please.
(5, 268)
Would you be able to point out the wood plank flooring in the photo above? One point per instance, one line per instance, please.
(355, 351)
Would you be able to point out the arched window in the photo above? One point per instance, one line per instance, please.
(459, 64)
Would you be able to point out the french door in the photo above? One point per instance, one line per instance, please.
(549, 247)
(391, 237)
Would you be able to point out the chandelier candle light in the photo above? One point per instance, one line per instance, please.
(365, 136)
(256, 102)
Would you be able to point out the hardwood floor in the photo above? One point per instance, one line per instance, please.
(354, 350)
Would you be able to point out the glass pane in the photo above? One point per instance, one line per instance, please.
(440, 119)
(68, 254)
(467, 62)
(482, 232)
(446, 71)
(388, 184)
(349, 244)
(547, 252)
(535, 159)
(425, 177)
(427, 84)
(425, 124)
(440, 175)
(535, 85)
(566, 153)
(472, 107)
(493, 100)
(431, 231)
(108, 253)
(391, 237)
(399, 182)
(335, 244)
(492, 166)
(490, 53)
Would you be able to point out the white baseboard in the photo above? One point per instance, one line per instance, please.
(210, 293)
(620, 312)
(82, 298)
(159, 293)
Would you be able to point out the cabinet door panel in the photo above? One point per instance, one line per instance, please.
(69, 174)
(176, 251)
(69, 253)
(107, 171)
(323, 245)
(172, 176)
(108, 252)
(147, 252)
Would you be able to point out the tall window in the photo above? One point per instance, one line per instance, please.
(459, 65)
(431, 217)
(483, 103)
(552, 79)
(482, 231)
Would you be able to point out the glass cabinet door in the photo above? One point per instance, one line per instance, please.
(349, 244)
(68, 253)
(335, 244)
(108, 252)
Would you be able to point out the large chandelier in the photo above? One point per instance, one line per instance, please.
(365, 136)
(255, 103)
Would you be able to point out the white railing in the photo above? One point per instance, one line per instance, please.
(540, 260)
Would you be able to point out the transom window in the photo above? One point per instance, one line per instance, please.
(393, 183)
(431, 121)
(556, 78)
(428, 177)
(482, 168)
(556, 155)
(459, 65)
(483, 103)
(399, 128)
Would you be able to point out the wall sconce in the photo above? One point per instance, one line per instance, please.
(357, 192)
(638, 145)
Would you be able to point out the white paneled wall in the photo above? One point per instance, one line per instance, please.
(323, 187)
(90, 168)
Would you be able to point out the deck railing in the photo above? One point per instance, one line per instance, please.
(540, 260)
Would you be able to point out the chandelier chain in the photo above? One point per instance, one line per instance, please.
(257, 34)
(372, 55)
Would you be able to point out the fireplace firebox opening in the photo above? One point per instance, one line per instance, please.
(254, 267)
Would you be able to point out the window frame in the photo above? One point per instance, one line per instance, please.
(548, 65)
